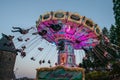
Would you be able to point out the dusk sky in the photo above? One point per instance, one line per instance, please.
(24, 13)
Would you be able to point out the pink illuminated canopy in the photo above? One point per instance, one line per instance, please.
(79, 30)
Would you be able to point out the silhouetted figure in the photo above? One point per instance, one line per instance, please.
(40, 48)
(107, 41)
(20, 39)
(109, 66)
(22, 31)
(40, 62)
(23, 54)
(35, 33)
(32, 58)
(27, 39)
(19, 50)
(56, 64)
(49, 61)
(105, 54)
(80, 65)
(43, 61)
(23, 47)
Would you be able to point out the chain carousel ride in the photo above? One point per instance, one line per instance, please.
(69, 32)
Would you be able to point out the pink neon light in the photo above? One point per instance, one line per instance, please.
(70, 31)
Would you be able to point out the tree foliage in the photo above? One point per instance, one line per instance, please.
(113, 34)
(105, 31)
(116, 9)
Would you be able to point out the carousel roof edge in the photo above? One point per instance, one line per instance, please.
(61, 67)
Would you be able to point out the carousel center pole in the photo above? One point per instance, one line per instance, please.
(66, 56)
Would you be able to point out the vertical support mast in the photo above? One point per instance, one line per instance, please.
(66, 54)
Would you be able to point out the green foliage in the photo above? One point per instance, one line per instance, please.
(117, 35)
(97, 75)
(87, 63)
(116, 9)
(113, 34)
(105, 31)
(116, 68)
(104, 75)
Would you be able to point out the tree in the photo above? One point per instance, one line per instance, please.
(116, 9)
(113, 34)
(105, 31)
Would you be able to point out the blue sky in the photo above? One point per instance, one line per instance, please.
(24, 13)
